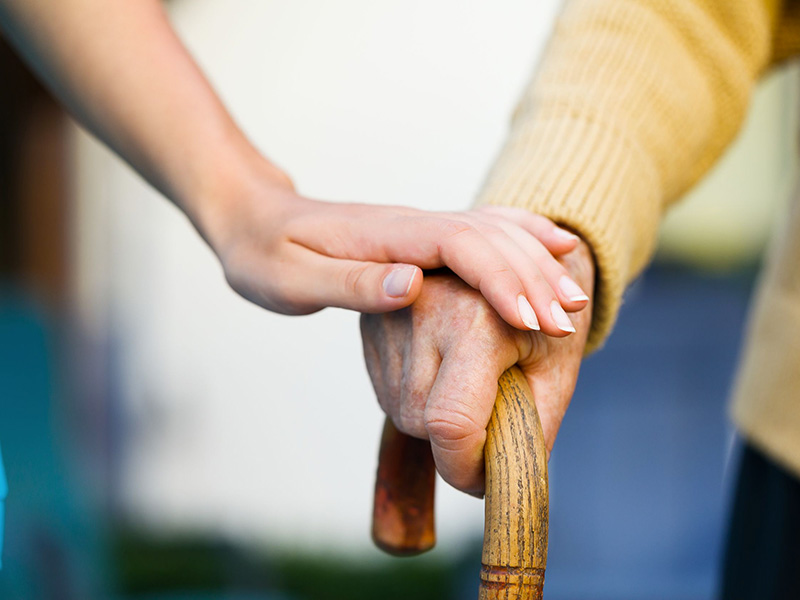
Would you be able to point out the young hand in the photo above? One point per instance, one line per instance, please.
(127, 77)
(295, 255)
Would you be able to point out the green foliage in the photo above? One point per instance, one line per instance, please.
(171, 568)
(326, 578)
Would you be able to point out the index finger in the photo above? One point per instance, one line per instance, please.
(458, 411)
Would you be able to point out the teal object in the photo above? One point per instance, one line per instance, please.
(3, 492)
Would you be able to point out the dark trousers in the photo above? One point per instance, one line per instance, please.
(762, 557)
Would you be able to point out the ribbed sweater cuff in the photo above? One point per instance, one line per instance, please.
(592, 179)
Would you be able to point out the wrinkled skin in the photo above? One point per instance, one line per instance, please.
(435, 366)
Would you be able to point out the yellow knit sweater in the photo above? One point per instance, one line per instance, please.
(633, 102)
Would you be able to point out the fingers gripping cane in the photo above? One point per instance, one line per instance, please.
(515, 531)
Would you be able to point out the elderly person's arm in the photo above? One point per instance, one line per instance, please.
(632, 104)
(123, 72)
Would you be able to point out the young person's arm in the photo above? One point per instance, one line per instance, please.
(122, 71)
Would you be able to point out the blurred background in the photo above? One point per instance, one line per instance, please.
(164, 439)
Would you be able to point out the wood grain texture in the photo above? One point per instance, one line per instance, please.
(403, 515)
(517, 507)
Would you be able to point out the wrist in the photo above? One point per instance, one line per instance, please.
(237, 175)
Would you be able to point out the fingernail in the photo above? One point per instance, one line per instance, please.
(560, 317)
(572, 290)
(568, 235)
(398, 282)
(526, 313)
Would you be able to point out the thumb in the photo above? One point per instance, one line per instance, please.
(367, 287)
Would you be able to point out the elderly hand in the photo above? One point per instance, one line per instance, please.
(435, 367)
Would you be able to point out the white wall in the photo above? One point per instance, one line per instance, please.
(243, 422)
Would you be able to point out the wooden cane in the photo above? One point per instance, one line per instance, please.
(515, 530)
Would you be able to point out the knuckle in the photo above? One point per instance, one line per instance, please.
(476, 320)
(410, 425)
(453, 228)
(492, 229)
(413, 394)
(353, 279)
(537, 278)
(500, 278)
(527, 345)
(484, 319)
(452, 429)
(499, 272)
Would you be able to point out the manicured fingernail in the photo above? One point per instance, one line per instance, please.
(560, 317)
(572, 290)
(398, 282)
(567, 235)
(526, 313)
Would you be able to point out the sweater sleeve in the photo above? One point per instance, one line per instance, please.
(633, 102)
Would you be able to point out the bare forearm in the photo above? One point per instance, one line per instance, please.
(120, 68)
(122, 71)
